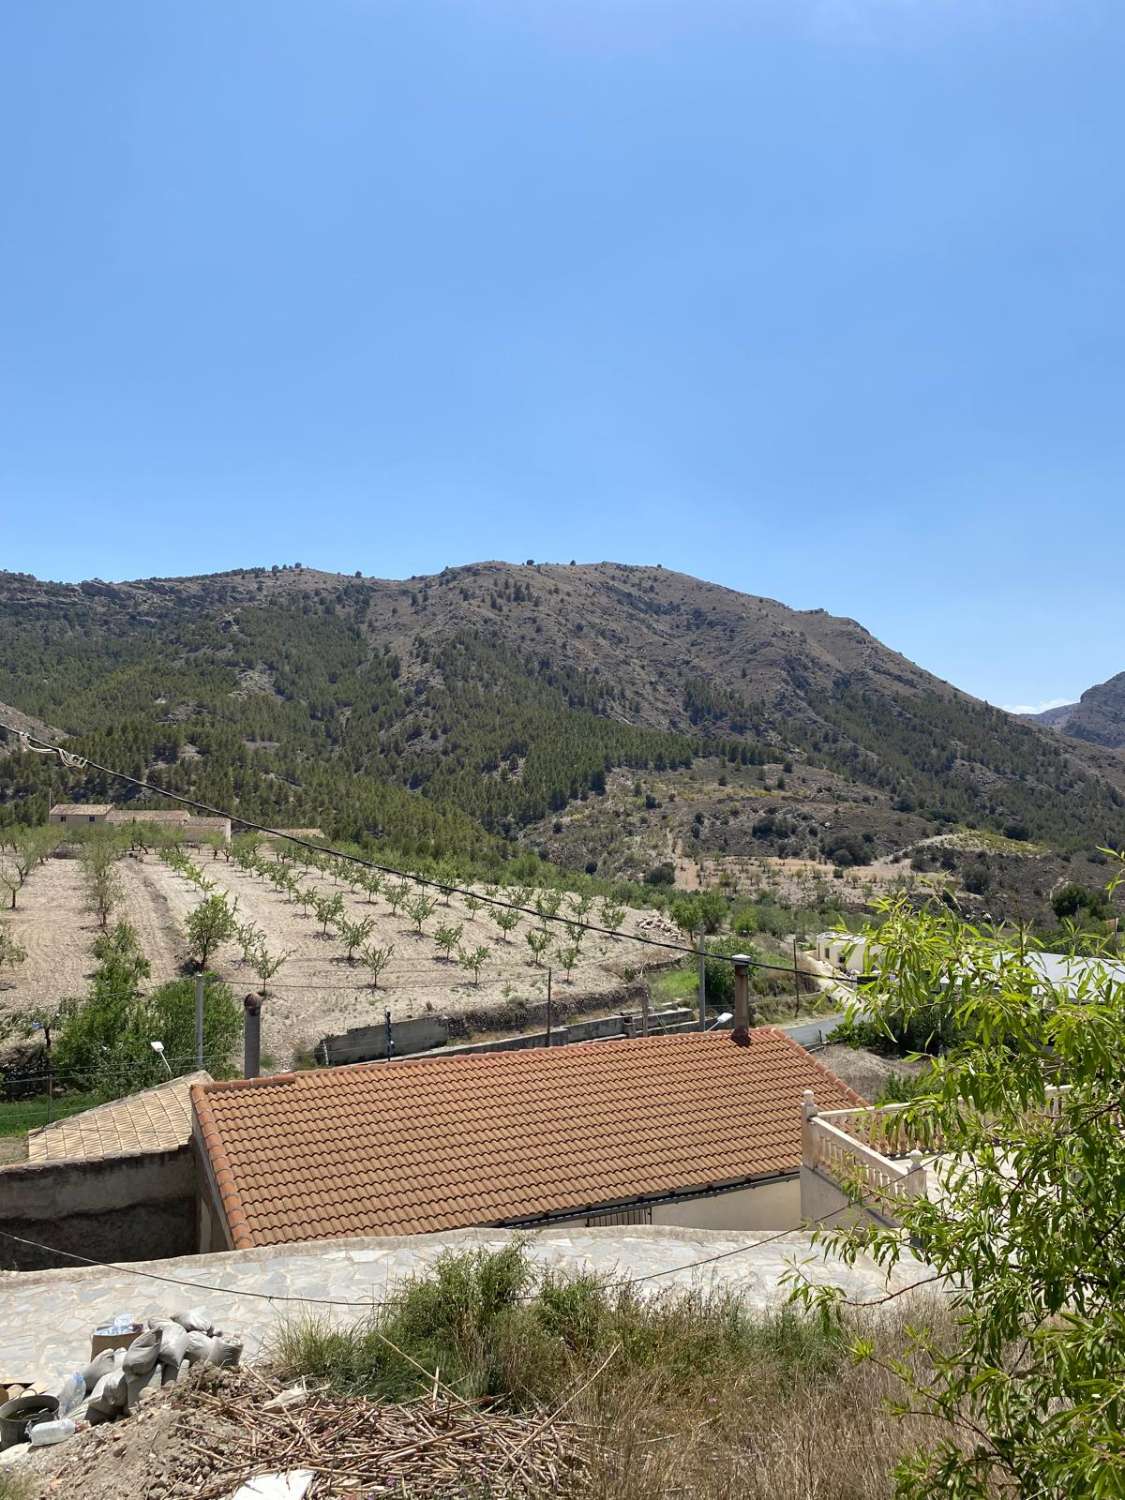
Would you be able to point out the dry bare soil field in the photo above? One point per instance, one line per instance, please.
(317, 991)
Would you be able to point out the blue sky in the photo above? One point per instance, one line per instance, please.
(821, 299)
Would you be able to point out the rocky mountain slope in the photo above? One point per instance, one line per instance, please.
(503, 694)
(1098, 717)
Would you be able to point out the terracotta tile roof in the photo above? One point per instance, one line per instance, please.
(157, 1119)
(498, 1137)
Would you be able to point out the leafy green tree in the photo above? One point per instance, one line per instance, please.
(210, 924)
(547, 904)
(168, 1015)
(507, 921)
(612, 916)
(1073, 900)
(420, 910)
(353, 935)
(1026, 1235)
(329, 908)
(396, 895)
(448, 937)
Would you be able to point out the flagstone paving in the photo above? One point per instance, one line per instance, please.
(46, 1317)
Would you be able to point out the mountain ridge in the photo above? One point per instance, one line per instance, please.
(502, 691)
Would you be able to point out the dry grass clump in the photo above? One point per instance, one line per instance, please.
(681, 1394)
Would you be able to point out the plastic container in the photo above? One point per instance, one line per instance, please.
(72, 1392)
(43, 1434)
(18, 1415)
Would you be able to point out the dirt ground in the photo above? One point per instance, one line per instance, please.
(52, 924)
(317, 992)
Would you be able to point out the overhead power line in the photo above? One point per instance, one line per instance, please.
(368, 1302)
(80, 763)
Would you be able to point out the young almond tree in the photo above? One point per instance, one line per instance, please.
(612, 916)
(372, 883)
(210, 924)
(395, 896)
(353, 935)
(547, 904)
(11, 954)
(473, 904)
(265, 966)
(474, 960)
(420, 910)
(580, 904)
(1023, 1222)
(506, 920)
(447, 939)
(329, 907)
(538, 941)
(568, 957)
(376, 960)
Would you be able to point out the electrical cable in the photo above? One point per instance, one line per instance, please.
(74, 762)
(228, 1291)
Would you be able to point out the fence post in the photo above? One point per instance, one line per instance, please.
(549, 1018)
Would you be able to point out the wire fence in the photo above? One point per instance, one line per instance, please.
(32, 1099)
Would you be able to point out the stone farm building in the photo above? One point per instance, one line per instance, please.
(190, 825)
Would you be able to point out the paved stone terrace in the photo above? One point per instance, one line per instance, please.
(46, 1317)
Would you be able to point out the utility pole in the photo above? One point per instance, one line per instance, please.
(796, 983)
(702, 984)
(199, 1023)
(389, 1034)
(548, 1007)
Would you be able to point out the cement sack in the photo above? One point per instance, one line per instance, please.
(225, 1353)
(140, 1357)
(109, 1396)
(107, 1360)
(195, 1320)
(197, 1348)
(173, 1345)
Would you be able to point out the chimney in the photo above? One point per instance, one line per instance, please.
(740, 1036)
(252, 1036)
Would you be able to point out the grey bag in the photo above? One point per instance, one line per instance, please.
(197, 1348)
(140, 1357)
(173, 1345)
(195, 1320)
(109, 1396)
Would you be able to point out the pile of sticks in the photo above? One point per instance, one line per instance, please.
(438, 1446)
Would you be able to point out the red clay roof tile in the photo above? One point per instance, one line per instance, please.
(489, 1138)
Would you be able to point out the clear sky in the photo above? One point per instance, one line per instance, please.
(821, 299)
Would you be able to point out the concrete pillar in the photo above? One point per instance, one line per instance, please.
(252, 1036)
